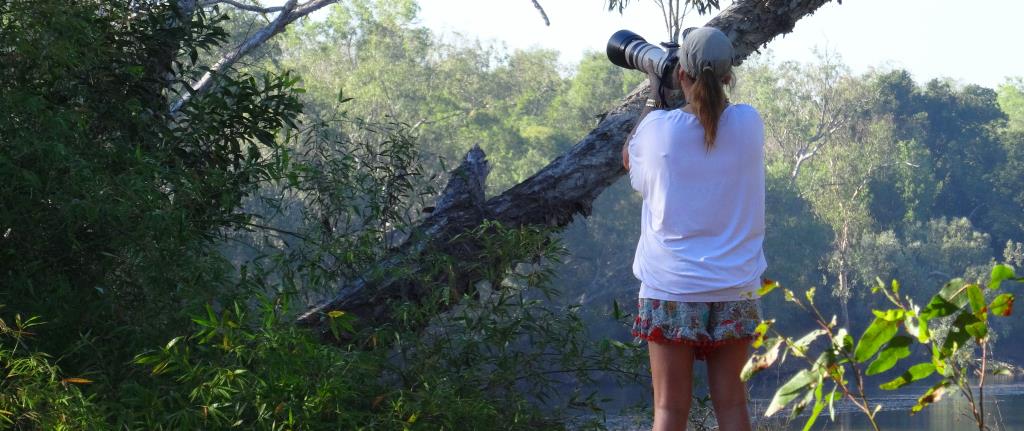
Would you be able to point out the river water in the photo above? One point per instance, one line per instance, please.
(1004, 408)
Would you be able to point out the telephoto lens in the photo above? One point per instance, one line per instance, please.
(628, 50)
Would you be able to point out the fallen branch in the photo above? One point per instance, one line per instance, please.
(554, 195)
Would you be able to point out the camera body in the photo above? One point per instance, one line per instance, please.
(628, 50)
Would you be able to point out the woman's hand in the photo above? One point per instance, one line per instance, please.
(656, 90)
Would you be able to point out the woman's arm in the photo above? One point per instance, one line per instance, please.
(629, 137)
(653, 102)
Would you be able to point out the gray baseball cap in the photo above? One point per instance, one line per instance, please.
(705, 47)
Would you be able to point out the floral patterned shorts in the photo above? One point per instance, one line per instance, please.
(703, 325)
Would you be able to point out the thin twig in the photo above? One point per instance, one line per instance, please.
(243, 6)
(981, 386)
(543, 14)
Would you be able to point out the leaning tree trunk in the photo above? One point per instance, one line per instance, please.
(553, 196)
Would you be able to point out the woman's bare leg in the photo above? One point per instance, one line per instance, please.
(672, 378)
(728, 392)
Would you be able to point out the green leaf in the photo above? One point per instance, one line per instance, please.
(999, 274)
(1002, 305)
(790, 297)
(891, 315)
(938, 360)
(842, 342)
(789, 391)
(877, 334)
(897, 349)
(1002, 371)
(767, 286)
(938, 307)
(136, 70)
(923, 333)
(757, 363)
(978, 330)
(173, 341)
(799, 347)
(832, 398)
(959, 333)
(914, 373)
(976, 299)
(819, 405)
(802, 404)
(760, 331)
(911, 323)
(953, 292)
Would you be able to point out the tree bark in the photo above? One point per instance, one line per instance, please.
(554, 195)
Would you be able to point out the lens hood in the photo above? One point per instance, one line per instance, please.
(617, 47)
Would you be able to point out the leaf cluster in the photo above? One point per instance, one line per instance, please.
(885, 342)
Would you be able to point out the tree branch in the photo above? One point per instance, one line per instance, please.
(242, 6)
(543, 14)
(290, 12)
(565, 187)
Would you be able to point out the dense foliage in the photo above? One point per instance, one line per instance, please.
(949, 328)
(152, 262)
(125, 228)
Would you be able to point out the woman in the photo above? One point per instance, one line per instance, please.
(699, 259)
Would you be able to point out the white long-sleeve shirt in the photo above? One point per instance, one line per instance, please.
(702, 222)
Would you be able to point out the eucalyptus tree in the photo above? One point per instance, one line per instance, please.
(804, 106)
(838, 190)
(1011, 101)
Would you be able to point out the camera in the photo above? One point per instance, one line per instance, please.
(629, 50)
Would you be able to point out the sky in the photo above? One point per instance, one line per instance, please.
(975, 41)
